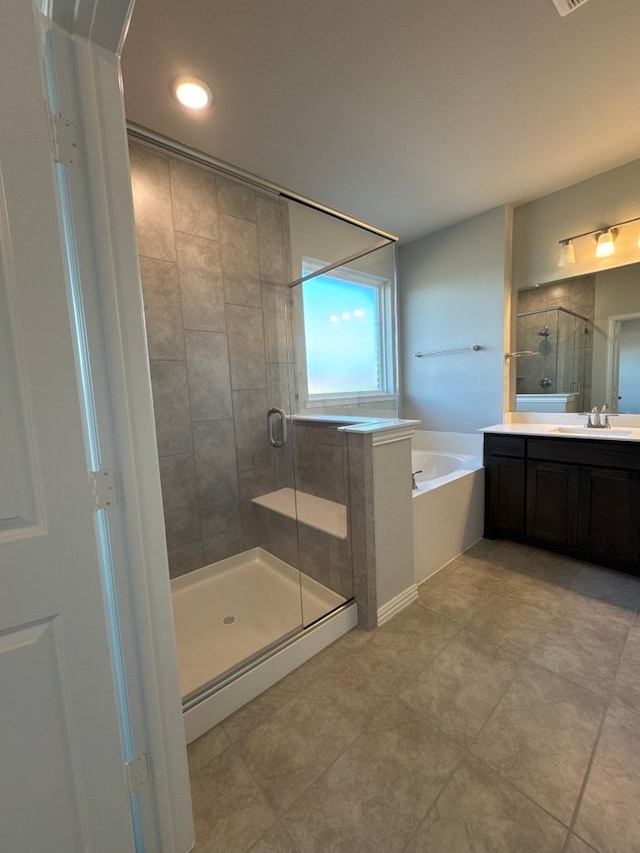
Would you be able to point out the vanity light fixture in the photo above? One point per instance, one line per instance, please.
(567, 253)
(605, 238)
(604, 242)
(192, 93)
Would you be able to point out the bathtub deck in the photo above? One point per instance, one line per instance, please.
(228, 612)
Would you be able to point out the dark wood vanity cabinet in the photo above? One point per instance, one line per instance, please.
(577, 496)
(504, 485)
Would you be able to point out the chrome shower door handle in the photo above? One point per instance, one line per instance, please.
(282, 440)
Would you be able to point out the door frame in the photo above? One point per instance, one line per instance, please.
(82, 75)
(612, 386)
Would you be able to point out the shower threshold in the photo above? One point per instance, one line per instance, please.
(230, 611)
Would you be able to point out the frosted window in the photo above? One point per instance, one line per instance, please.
(342, 328)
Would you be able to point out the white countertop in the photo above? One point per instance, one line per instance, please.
(379, 425)
(346, 423)
(621, 433)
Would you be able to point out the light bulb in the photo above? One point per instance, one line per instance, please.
(604, 247)
(192, 93)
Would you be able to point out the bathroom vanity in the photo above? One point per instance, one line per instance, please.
(566, 489)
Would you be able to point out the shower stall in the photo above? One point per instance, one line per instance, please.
(270, 327)
(554, 364)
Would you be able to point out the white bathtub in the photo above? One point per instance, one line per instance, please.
(448, 504)
(435, 468)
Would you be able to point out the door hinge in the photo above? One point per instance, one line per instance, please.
(137, 771)
(63, 138)
(102, 485)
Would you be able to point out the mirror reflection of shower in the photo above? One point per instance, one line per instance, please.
(560, 340)
(555, 322)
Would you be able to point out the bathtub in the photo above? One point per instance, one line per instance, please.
(448, 503)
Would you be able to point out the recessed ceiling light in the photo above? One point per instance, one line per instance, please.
(192, 93)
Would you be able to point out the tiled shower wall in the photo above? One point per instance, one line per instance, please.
(321, 468)
(213, 254)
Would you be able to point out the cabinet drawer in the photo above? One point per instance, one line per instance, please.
(504, 445)
(580, 451)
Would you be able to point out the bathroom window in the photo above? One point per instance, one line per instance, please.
(344, 331)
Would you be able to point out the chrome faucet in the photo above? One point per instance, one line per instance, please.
(599, 422)
(413, 478)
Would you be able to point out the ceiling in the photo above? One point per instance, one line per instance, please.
(410, 115)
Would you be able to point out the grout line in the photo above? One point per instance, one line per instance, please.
(609, 700)
(585, 779)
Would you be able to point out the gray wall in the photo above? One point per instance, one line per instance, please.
(452, 288)
(212, 259)
(538, 226)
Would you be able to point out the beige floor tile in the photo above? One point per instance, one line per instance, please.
(540, 738)
(553, 569)
(400, 650)
(329, 661)
(478, 812)
(230, 811)
(616, 588)
(334, 752)
(579, 607)
(275, 840)
(499, 552)
(609, 816)
(243, 721)
(293, 746)
(372, 798)
(626, 689)
(514, 620)
(460, 593)
(462, 686)
(533, 589)
(584, 643)
(203, 750)
(577, 845)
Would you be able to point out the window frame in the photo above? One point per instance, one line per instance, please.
(386, 337)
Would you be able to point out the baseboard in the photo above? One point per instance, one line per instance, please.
(397, 603)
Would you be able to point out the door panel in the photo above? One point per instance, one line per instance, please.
(63, 780)
(30, 662)
(506, 495)
(552, 492)
(609, 508)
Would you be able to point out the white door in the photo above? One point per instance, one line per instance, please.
(622, 359)
(62, 780)
(629, 384)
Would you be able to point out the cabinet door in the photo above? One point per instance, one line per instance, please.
(505, 496)
(609, 513)
(552, 489)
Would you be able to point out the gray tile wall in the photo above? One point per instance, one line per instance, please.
(212, 262)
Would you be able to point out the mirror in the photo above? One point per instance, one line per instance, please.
(578, 343)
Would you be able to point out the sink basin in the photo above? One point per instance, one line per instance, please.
(601, 433)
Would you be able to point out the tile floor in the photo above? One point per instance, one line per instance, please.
(498, 714)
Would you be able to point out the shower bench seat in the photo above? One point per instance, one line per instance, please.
(320, 513)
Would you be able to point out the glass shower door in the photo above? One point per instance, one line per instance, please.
(342, 328)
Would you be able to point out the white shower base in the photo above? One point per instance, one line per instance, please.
(269, 599)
